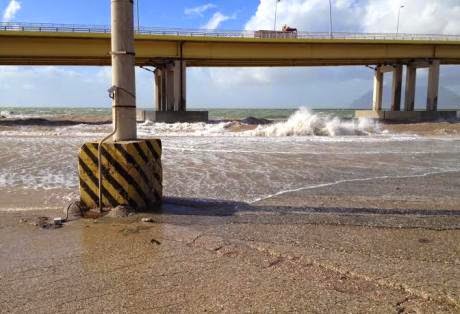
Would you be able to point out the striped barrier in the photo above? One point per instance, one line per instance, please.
(132, 174)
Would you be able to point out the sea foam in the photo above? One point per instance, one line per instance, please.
(305, 123)
(302, 123)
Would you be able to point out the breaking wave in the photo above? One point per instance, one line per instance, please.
(301, 123)
(6, 114)
(305, 123)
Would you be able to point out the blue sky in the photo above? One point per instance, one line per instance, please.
(254, 87)
(153, 12)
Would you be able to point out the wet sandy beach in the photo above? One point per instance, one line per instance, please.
(250, 224)
(235, 258)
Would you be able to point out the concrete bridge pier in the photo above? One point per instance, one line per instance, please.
(409, 113)
(411, 78)
(170, 92)
(433, 86)
(171, 96)
(396, 88)
(378, 89)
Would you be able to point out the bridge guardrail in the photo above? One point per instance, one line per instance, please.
(75, 28)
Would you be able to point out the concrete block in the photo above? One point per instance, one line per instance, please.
(407, 116)
(172, 116)
(132, 174)
(370, 114)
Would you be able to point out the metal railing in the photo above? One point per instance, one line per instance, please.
(100, 29)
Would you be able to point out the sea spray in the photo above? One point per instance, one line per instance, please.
(305, 123)
(302, 123)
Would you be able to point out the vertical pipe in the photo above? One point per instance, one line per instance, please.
(138, 17)
(276, 13)
(330, 18)
(123, 70)
(399, 16)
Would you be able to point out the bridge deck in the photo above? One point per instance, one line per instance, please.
(80, 46)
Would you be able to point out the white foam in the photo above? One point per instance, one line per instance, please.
(14, 115)
(149, 128)
(6, 114)
(305, 123)
(322, 185)
(301, 123)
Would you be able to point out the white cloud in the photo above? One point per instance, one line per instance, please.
(199, 10)
(65, 86)
(379, 16)
(417, 16)
(217, 19)
(12, 8)
(307, 15)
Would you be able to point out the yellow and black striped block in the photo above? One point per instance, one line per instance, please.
(132, 174)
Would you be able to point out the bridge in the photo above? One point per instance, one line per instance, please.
(171, 51)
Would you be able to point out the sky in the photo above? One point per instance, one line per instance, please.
(314, 87)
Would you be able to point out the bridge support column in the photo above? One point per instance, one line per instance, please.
(171, 96)
(411, 78)
(378, 90)
(433, 86)
(396, 88)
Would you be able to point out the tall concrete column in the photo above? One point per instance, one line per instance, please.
(169, 88)
(158, 77)
(378, 90)
(396, 88)
(183, 83)
(411, 78)
(163, 99)
(433, 86)
(123, 66)
(170, 83)
(177, 91)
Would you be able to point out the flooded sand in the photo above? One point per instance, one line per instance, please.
(251, 222)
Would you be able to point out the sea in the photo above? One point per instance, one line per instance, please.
(214, 114)
(224, 160)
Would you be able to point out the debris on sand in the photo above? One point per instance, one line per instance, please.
(148, 220)
(121, 212)
(154, 241)
(47, 223)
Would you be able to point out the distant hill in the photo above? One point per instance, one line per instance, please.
(447, 99)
